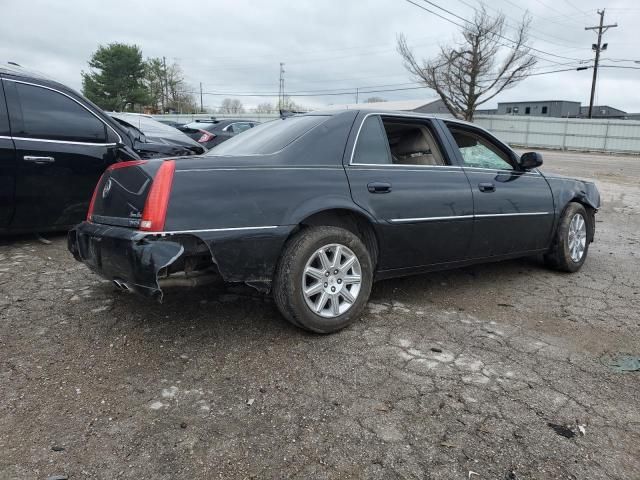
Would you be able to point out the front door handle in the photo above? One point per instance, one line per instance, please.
(379, 187)
(487, 187)
(39, 160)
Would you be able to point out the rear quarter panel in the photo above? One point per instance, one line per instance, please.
(244, 208)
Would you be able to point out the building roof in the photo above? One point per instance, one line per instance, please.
(538, 101)
(402, 105)
(598, 108)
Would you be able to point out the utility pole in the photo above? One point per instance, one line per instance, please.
(598, 47)
(357, 92)
(201, 107)
(166, 83)
(281, 88)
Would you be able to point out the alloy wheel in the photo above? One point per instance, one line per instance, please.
(331, 280)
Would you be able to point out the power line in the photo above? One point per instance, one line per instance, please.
(540, 32)
(469, 22)
(351, 92)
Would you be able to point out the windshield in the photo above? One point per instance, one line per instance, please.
(268, 137)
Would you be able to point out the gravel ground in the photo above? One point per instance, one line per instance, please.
(490, 372)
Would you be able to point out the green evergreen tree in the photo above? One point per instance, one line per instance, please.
(115, 81)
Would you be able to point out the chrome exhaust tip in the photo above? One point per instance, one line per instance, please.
(121, 285)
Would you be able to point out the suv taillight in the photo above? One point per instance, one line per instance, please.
(155, 208)
(113, 166)
(206, 136)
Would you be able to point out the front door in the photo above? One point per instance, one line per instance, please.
(513, 208)
(62, 148)
(400, 173)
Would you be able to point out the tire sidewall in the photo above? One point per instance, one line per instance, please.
(571, 211)
(321, 237)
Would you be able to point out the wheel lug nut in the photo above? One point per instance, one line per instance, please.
(339, 280)
(333, 289)
(335, 272)
(326, 285)
(326, 274)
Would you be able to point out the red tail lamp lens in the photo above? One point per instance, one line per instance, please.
(155, 208)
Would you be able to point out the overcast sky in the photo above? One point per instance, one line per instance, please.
(236, 46)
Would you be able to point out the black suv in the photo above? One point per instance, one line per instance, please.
(54, 145)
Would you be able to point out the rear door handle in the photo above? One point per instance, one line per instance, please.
(39, 160)
(487, 187)
(379, 187)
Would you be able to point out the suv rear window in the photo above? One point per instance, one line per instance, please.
(268, 137)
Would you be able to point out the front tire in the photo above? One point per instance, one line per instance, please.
(323, 280)
(571, 243)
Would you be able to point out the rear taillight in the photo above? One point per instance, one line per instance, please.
(206, 136)
(93, 198)
(155, 208)
(113, 166)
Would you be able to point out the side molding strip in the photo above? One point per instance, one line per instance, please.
(460, 217)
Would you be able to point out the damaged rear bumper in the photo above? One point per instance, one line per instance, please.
(127, 257)
(146, 262)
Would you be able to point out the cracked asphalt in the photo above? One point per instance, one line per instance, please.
(489, 372)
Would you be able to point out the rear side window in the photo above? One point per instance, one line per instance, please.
(49, 115)
(397, 141)
(268, 138)
(240, 127)
(372, 147)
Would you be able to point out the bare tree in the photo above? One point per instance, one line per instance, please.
(231, 105)
(483, 64)
(265, 107)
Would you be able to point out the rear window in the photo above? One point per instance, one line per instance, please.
(201, 125)
(269, 137)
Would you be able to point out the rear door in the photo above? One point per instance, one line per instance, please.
(513, 208)
(401, 173)
(62, 148)
(7, 165)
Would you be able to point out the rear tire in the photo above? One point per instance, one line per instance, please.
(571, 243)
(323, 280)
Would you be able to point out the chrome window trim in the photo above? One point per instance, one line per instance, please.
(389, 114)
(71, 98)
(69, 142)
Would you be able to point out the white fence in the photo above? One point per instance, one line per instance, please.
(614, 136)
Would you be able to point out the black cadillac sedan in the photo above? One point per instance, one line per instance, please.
(316, 207)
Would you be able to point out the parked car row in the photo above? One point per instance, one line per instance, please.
(55, 144)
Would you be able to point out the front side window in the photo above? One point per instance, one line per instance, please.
(544, 110)
(478, 152)
(49, 115)
(527, 110)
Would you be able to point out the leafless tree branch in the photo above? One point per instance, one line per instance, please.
(483, 64)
